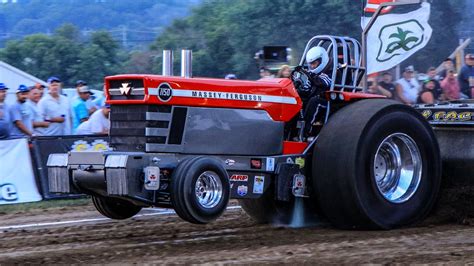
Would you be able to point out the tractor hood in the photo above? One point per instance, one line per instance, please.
(277, 96)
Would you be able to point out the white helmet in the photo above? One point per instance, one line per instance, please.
(317, 53)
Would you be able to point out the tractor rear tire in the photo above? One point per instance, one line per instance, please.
(376, 166)
(200, 189)
(113, 208)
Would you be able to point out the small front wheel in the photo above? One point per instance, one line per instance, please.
(113, 208)
(200, 189)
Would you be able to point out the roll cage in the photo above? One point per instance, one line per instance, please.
(345, 61)
(344, 67)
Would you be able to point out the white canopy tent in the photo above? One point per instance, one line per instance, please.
(14, 77)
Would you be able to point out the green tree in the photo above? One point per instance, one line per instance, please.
(92, 64)
(105, 41)
(225, 34)
(64, 56)
(42, 55)
(68, 31)
(140, 63)
(143, 19)
(98, 58)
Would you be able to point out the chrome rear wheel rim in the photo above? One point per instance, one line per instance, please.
(397, 168)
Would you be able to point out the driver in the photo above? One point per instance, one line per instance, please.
(314, 105)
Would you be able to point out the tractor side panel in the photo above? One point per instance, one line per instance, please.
(226, 131)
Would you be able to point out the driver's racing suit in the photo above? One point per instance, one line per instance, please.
(314, 104)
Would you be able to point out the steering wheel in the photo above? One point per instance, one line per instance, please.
(301, 80)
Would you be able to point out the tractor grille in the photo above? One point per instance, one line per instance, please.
(137, 90)
(134, 126)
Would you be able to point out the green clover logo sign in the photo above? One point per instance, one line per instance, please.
(399, 38)
(402, 42)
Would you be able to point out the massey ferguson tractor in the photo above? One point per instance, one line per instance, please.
(191, 144)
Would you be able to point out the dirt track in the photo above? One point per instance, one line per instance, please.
(234, 238)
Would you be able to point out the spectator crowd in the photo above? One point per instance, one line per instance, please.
(415, 88)
(430, 87)
(41, 111)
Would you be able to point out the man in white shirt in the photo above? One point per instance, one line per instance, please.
(407, 88)
(98, 123)
(21, 115)
(39, 124)
(55, 109)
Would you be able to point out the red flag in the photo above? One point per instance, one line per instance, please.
(372, 6)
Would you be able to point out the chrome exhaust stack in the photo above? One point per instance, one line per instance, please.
(167, 63)
(186, 63)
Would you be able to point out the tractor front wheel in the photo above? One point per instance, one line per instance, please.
(200, 189)
(114, 208)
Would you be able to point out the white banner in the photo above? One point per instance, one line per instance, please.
(17, 181)
(395, 37)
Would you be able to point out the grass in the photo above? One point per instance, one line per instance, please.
(45, 204)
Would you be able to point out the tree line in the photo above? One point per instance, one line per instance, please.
(60, 54)
(139, 17)
(225, 34)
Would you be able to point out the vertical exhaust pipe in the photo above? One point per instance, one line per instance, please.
(186, 63)
(167, 63)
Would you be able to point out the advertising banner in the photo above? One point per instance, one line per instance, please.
(17, 180)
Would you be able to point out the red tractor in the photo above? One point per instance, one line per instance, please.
(192, 144)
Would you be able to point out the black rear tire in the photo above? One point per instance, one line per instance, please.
(114, 208)
(184, 183)
(344, 178)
